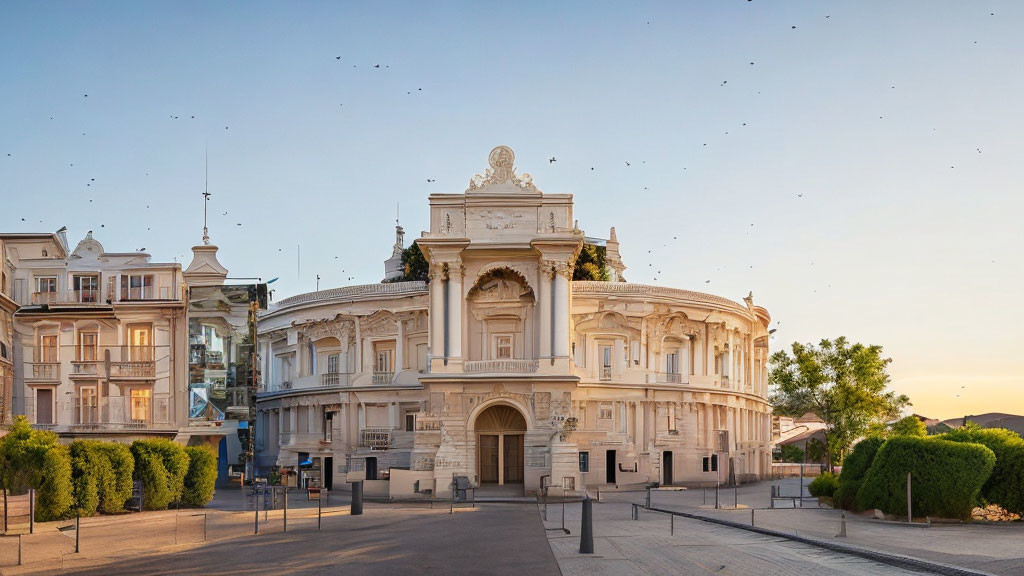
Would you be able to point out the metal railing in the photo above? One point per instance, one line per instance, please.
(46, 371)
(501, 366)
(670, 377)
(383, 378)
(87, 296)
(334, 379)
(606, 372)
(376, 438)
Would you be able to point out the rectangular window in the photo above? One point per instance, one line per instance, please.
(584, 461)
(140, 405)
(672, 363)
(86, 405)
(410, 422)
(384, 361)
(328, 425)
(137, 287)
(46, 284)
(48, 348)
(606, 363)
(504, 348)
(87, 346)
(333, 363)
(87, 288)
(604, 411)
(710, 464)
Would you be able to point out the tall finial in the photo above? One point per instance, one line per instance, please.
(206, 199)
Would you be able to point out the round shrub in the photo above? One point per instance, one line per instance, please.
(87, 467)
(855, 467)
(823, 485)
(54, 500)
(201, 478)
(149, 468)
(122, 467)
(173, 462)
(1006, 484)
(946, 477)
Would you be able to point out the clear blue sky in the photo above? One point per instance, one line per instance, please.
(905, 234)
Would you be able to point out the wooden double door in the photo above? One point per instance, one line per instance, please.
(501, 458)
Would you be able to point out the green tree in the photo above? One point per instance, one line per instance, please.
(414, 265)
(791, 453)
(590, 265)
(909, 426)
(843, 384)
(55, 499)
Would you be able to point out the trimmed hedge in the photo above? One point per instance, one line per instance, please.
(123, 466)
(161, 465)
(855, 467)
(947, 477)
(54, 500)
(824, 485)
(1006, 484)
(201, 478)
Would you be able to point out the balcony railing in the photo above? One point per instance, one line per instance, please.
(334, 379)
(114, 413)
(376, 438)
(501, 366)
(86, 368)
(46, 371)
(606, 372)
(382, 378)
(136, 362)
(86, 296)
(670, 377)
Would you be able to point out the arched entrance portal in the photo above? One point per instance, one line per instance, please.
(499, 439)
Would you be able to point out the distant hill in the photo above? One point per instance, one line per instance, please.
(1013, 422)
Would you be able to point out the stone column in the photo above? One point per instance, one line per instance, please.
(455, 273)
(400, 347)
(544, 307)
(436, 314)
(560, 347)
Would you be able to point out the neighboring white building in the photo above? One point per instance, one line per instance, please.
(503, 369)
(99, 338)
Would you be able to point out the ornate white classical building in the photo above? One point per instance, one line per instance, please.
(504, 369)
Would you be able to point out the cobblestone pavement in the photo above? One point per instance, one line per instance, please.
(645, 546)
(386, 539)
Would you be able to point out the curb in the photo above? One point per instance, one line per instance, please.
(896, 560)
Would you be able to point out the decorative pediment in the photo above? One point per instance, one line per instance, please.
(502, 174)
(380, 323)
(333, 328)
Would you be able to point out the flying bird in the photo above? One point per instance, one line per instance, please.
(552, 160)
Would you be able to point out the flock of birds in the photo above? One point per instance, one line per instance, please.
(655, 256)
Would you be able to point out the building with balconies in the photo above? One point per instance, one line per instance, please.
(98, 338)
(503, 368)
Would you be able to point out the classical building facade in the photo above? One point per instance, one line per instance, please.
(7, 309)
(98, 338)
(504, 369)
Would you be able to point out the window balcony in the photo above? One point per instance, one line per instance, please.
(332, 379)
(382, 378)
(501, 366)
(606, 373)
(671, 378)
(136, 362)
(86, 369)
(375, 438)
(45, 372)
(87, 296)
(118, 413)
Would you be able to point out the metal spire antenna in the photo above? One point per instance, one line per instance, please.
(206, 199)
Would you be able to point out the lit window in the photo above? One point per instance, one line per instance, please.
(140, 405)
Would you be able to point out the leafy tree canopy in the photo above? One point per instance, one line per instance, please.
(843, 384)
(909, 426)
(590, 265)
(414, 265)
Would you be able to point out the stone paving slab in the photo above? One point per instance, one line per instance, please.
(645, 546)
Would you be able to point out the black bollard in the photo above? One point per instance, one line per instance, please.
(357, 498)
(587, 530)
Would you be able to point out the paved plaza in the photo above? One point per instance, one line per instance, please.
(386, 539)
(504, 539)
